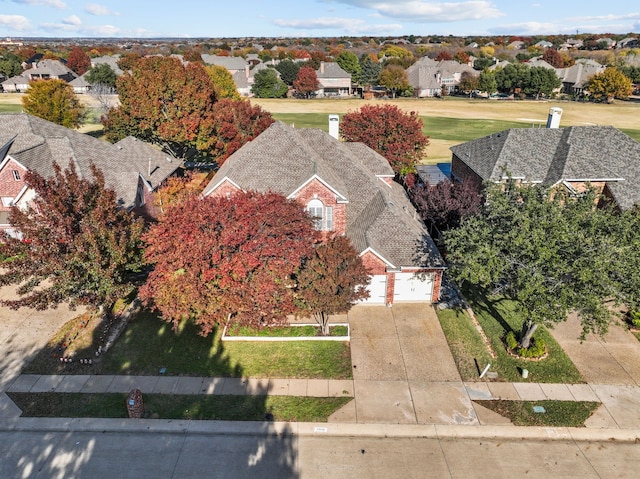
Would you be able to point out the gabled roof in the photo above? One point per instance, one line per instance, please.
(379, 215)
(39, 143)
(53, 68)
(551, 155)
(230, 63)
(428, 74)
(331, 70)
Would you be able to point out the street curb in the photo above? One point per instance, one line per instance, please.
(305, 429)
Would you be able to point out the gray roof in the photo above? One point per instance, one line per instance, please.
(428, 74)
(230, 63)
(579, 73)
(111, 60)
(331, 70)
(576, 153)
(379, 215)
(40, 143)
(53, 68)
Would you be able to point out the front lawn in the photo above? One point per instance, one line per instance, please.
(175, 406)
(148, 344)
(497, 316)
(556, 413)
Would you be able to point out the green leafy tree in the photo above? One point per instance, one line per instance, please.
(54, 100)
(288, 70)
(102, 74)
(75, 243)
(544, 249)
(306, 84)
(482, 63)
(394, 78)
(609, 84)
(166, 103)
(10, 65)
(369, 72)
(223, 82)
(349, 62)
(513, 77)
(331, 281)
(218, 259)
(266, 84)
(387, 129)
(632, 72)
(542, 81)
(469, 82)
(78, 61)
(487, 82)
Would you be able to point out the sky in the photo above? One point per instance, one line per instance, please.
(313, 18)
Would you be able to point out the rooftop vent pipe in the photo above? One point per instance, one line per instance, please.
(553, 121)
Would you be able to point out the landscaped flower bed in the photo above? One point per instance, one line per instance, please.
(292, 332)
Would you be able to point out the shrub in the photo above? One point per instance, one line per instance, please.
(635, 319)
(512, 342)
(535, 350)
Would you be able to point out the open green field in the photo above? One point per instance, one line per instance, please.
(447, 121)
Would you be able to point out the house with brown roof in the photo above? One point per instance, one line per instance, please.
(574, 158)
(349, 189)
(133, 168)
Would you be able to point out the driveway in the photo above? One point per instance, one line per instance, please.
(612, 360)
(22, 334)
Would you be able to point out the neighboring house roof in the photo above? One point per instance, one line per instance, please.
(39, 143)
(111, 60)
(52, 69)
(428, 74)
(379, 215)
(80, 83)
(543, 44)
(579, 74)
(551, 155)
(230, 63)
(539, 62)
(16, 80)
(331, 70)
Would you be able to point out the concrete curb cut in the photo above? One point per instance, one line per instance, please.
(434, 431)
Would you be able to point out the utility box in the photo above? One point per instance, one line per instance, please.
(135, 405)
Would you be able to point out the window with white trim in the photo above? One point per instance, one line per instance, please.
(315, 209)
(16, 175)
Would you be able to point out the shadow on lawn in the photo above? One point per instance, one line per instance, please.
(480, 299)
(149, 347)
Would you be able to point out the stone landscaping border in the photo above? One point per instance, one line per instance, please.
(225, 337)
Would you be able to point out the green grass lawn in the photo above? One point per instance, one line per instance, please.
(149, 344)
(557, 413)
(10, 108)
(165, 406)
(497, 316)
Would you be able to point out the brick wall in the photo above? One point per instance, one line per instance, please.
(224, 189)
(462, 172)
(9, 186)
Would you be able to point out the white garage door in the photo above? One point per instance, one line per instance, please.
(377, 290)
(413, 287)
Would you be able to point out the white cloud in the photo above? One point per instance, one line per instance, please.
(346, 25)
(432, 12)
(15, 22)
(72, 20)
(604, 18)
(46, 3)
(586, 24)
(98, 10)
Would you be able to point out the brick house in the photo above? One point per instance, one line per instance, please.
(133, 168)
(599, 156)
(350, 191)
(333, 80)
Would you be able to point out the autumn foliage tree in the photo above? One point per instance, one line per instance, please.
(387, 129)
(306, 83)
(75, 244)
(167, 103)
(331, 281)
(223, 82)
(218, 259)
(608, 85)
(78, 61)
(394, 78)
(53, 100)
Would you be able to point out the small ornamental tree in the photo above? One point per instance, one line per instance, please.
(394, 78)
(219, 259)
(306, 82)
(553, 57)
(75, 244)
(387, 129)
(236, 122)
(54, 100)
(608, 85)
(331, 281)
(223, 82)
(78, 61)
(446, 204)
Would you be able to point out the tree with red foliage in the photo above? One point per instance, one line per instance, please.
(75, 243)
(316, 57)
(444, 55)
(446, 204)
(462, 57)
(306, 83)
(387, 129)
(78, 61)
(331, 281)
(236, 122)
(553, 58)
(222, 259)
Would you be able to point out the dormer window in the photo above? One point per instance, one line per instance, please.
(323, 216)
(16, 175)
